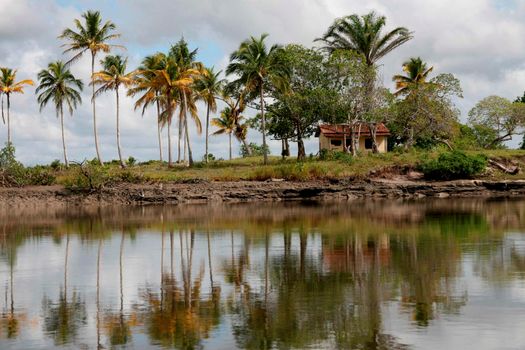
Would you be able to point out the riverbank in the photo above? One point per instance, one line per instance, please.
(258, 191)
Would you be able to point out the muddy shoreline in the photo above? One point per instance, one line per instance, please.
(258, 191)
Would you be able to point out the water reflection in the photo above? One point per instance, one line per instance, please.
(374, 275)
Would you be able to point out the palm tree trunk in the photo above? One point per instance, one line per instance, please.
(207, 133)
(99, 346)
(170, 160)
(121, 275)
(94, 109)
(230, 135)
(65, 267)
(263, 126)
(66, 162)
(3, 118)
(190, 155)
(159, 131)
(122, 164)
(8, 121)
(180, 139)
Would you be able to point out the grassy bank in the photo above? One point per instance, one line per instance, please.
(335, 166)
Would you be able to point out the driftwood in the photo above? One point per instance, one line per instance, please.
(508, 170)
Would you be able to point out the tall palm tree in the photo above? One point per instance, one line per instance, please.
(92, 36)
(226, 125)
(59, 85)
(187, 65)
(9, 85)
(256, 68)
(363, 34)
(143, 84)
(112, 77)
(416, 73)
(209, 87)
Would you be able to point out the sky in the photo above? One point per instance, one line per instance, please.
(480, 42)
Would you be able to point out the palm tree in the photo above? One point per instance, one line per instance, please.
(363, 34)
(92, 36)
(209, 87)
(187, 65)
(417, 73)
(226, 125)
(144, 81)
(112, 77)
(9, 85)
(256, 68)
(57, 84)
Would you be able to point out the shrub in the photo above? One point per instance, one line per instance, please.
(131, 161)
(453, 165)
(88, 175)
(256, 150)
(345, 157)
(56, 165)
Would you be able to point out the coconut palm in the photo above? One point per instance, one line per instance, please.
(9, 85)
(112, 77)
(92, 36)
(363, 34)
(226, 124)
(143, 83)
(416, 73)
(187, 65)
(258, 68)
(208, 88)
(59, 85)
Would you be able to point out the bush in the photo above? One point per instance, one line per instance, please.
(56, 165)
(325, 154)
(256, 150)
(13, 173)
(453, 165)
(88, 175)
(131, 161)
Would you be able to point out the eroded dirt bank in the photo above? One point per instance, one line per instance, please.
(252, 191)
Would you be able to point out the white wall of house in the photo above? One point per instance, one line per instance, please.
(333, 144)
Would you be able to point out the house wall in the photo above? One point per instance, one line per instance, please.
(325, 143)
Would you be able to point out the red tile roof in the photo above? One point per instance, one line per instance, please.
(338, 130)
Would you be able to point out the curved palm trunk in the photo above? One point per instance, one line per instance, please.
(263, 126)
(190, 155)
(66, 162)
(94, 109)
(180, 139)
(122, 164)
(230, 136)
(207, 134)
(3, 117)
(8, 121)
(159, 131)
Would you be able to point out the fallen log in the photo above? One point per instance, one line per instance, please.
(508, 170)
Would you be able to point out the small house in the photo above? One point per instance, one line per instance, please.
(332, 136)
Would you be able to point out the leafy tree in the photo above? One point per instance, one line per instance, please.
(500, 115)
(59, 85)
(9, 86)
(187, 65)
(143, 84)
(92, 36)
(209, 86)
(254, 149)
(427, 113)
(416, 74)
(112, 77)
(258, 68)
(226, 124)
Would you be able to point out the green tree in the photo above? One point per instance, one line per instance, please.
(416, 73)
(226, 124)
(9, 86)
(427, 114)
(257, 69)
(59, 85)
(208, 87)
(92, 36)
(364, 34)
(112, 77)
(499, 114)
(144, 82)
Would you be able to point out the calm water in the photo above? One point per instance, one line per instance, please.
(376, 275)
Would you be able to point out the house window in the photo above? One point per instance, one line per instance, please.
(336, 143)
(368, 143)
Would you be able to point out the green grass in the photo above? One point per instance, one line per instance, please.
(252, 169)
